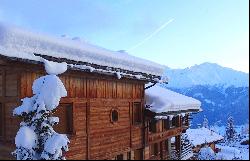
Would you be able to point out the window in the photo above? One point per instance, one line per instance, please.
(114, 115)
(138, 154)
(166, 124)
(137, 113)
(65, 114)
(173, 122)
(154, 149)
(119, 157)
(152, 126)
(129, 156)
(1, 120)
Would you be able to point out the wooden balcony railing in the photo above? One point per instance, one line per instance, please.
(161, 136)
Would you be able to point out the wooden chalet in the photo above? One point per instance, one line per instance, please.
(104, 113)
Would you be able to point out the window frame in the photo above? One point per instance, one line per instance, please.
(166, 124)
(172, 123)
(119, 157)
(136, 122)
(152, 125)
(140, 152)
(70, 118)
(111, 115)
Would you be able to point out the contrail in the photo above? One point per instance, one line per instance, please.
(152, 34)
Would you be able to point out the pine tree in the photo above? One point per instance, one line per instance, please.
(36, 138)
(205, 122)
(230, 131)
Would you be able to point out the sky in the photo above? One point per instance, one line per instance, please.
(175, 33)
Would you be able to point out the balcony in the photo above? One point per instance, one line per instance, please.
(161, 136)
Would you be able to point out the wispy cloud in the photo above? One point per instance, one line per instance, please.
(151, 35)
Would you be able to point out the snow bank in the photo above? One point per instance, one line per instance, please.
(206, 153)
(26, 138)
(202, 135)
(227, 153)
(16, 42)
(163, 100)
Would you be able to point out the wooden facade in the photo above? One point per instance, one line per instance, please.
(102, 115)
(164, 137)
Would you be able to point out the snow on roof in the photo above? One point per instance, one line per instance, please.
(54, 68)
(20, 43)
(202, 135)
(162, 100)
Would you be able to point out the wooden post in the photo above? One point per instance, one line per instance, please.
(162, 150)
(3, 103)
(169, 147)
(132, 155)
(178, 145)
(88, 129)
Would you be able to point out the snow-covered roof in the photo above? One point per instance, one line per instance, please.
(202, 135)
(19, 43)
(162, 100)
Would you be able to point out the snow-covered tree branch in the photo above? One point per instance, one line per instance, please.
(36, 138)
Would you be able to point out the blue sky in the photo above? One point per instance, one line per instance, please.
(176, 33)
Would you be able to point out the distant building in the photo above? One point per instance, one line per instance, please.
(203, 137)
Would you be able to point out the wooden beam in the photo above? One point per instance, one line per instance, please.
(88, 129)
(3, 104)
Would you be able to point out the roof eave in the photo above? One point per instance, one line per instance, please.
(104, 69)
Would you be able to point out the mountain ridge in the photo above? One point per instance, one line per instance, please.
(222, 91)
(206, 74)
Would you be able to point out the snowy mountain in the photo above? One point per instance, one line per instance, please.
(218, 103)
(222, 91)
(206, 74)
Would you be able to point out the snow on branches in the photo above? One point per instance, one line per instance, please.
(36, 138)
(230, 130)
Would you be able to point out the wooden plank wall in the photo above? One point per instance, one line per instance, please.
(109, 139)
(9, 99)
(100, 95)
(87, 87)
